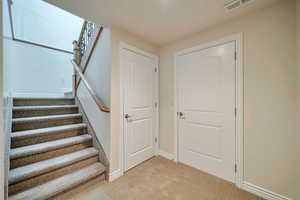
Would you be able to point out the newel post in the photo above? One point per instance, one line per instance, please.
(76, 51)
(76, 58)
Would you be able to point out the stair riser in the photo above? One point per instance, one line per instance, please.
(14, 163)
(47, 137)
(32, 182)
(44, 112)
(42, 102)
(21, 126)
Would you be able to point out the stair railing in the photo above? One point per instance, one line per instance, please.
(84, 47)
(83, 50)
(97, 100)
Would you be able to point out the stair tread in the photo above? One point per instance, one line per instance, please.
(42, 131)
(43, 98)
(48, 117)
(47, 146)
(35, 169)
(61, 184)
(18, 108)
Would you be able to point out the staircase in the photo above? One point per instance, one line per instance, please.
(51, 150)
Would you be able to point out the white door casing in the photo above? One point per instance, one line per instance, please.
(139, 106)
(206, 99)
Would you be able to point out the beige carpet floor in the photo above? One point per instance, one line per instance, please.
(160, 179)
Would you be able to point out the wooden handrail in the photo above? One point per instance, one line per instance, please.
(97, 100)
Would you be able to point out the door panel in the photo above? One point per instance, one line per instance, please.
(139, 98)
(138, 142)
(201, 80)
(140, 83)
(206, 97)
(210, 147)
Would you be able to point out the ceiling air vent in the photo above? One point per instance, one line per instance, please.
(235, 4)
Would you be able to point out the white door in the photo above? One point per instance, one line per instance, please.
(206, 105)
(139, 107)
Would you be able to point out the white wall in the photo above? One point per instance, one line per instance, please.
(43, 23)
(6, 24)
(35, 71)
(6, 33)
(269, 93)
(98, 74)
(1, 110)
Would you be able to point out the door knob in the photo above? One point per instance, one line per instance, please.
(127, 116)
(180, 115)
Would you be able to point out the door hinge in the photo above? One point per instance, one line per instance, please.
(155, 139)
(235, 168)
(155, 69)
(10, 2)
(156, 104)
(235, 111)
(235, 55)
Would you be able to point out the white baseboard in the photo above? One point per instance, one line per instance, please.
(115, 175)
(166, 155)
(261, 192)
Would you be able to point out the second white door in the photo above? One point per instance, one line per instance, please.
(206, 105)
(139, 107)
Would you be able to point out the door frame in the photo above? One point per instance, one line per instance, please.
(122, 146)
(239, 127)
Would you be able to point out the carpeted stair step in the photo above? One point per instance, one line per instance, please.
(32, 111)
(34, 153)
(23, 173)
(43, 101)
(35, 136)
(45, 177)
(29, 123)
(51, 150)
(59, 185)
